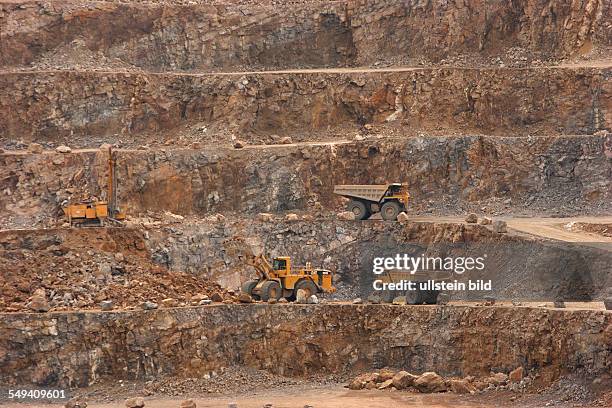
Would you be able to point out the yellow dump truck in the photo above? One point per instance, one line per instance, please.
(365, 200)
(422, 289)
(279, 278)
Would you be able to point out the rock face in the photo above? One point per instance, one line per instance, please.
(271, 35)
(557, 171)
(456, 100)
(473, 339)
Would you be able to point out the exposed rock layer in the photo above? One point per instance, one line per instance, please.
(76, 349)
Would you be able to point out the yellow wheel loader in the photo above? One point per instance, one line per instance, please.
(279, 278)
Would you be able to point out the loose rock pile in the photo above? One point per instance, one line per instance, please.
(431, 382)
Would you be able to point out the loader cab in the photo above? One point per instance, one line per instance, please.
(282, 264)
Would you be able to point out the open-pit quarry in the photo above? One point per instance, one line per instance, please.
(234, 120)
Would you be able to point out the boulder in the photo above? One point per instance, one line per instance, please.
(245, 298)
(169, 302)
(188, 404)
(301, 296)
(385, 374)
(500, 227)
(459, 386)
(403, 380)
(239, 144)
(63, 149)
(216, 297)
(35, 148)
(403, 217)
(283, 300)
(265, 217)
(148, 305)
(137, 402)
(205, 302)
(313, 300)
(291, 217)
(286, 140)
(75, 403)
(357, 301)
(346, 216)
(485, 221)
(106, 305)
(38, 301)
(471, 218)
(430, 382)
(385, 384)
(516, 375)
(497, 379)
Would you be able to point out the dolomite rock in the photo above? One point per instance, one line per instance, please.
(188, 404)
(485, 221)
(300, 296)
(500, 227)
(346, 216)
(63, 149)
(403, 379)
(137, 402)
(430, 382)
(106, 305)
(471, 218)
(461, 386)
(38, 301)
(149, 305)
(292, 217)
(265, 217)
(216, 297)
(403, 218)
(516, 375)
(35, 148)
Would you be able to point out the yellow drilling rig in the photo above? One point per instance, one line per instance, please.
(94, 212)
(279, 278)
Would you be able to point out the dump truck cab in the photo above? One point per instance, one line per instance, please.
(365, 200)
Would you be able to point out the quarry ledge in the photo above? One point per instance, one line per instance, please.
(79, 349)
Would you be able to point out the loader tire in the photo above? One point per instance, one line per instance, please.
(306, 285)
(431, 297)
(359, 209)
(271, 290)
(390, 210)
(248, 286)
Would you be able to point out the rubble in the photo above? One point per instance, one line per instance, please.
(63, 149)
(500, 226)
(471, 218)
(137, 402)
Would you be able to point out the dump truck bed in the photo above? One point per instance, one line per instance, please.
(370, 192)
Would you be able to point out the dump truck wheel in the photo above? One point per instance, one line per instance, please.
(248, 286)
(359, 209)
(271, 290)
(390, 210)
(306, 285)
(431, 297)
(414, 297)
